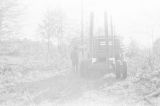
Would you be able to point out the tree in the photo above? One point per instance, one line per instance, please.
(9, 14)
(156, 48)
(142, 58)
(52, 27)
(156, 52)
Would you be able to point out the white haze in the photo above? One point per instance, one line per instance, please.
(133, 19)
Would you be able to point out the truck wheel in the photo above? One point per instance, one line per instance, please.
(118, 69)
(124, 70)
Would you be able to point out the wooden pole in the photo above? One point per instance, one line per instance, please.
(82, 27)
(113, 37)
(106, 25)
(91, 33)
(106, 34)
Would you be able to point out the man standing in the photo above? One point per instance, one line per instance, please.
(75, 58)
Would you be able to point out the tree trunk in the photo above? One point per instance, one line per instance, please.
(48, 49)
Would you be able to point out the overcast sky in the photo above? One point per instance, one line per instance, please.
(136, 19)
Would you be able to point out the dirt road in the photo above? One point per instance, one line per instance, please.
(70, 90)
